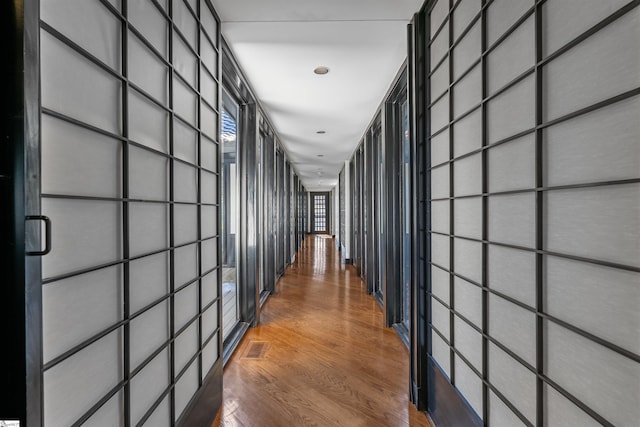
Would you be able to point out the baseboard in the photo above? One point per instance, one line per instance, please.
(206, 404)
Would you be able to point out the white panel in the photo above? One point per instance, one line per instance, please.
(468, 301)
(147, 70)
(87, 23)
(161, 417)
(209, 23)
(440, 182)
(208, 121)
(184, 101)
(500, 414)
(514, 381)
(208, 187)
(596, 299)
(605, 381)
(467, 176)
(468, 134)
(503, 14)
(209, 58)
(209, 254)
(186, 388)
(73, 386)
(468, 259)
(186, 264)
(512, 57)
(440, 318)
(185, 226)
(185, 305)
(209, 219)
(514, 327)
(184, 62)
(464, 14)
(468, 341)
(185, 21)
(440, 284)
(185, 181)
(467, 93)
(512, 112)
(88, 93)
(148, 123)
(84, 234)
(441, 354)
(561, 412)
(604, 65)
(565, 20)
(439, 114)
(79, 162)
(440, 80)
(438, 14)
(209, 155)
(600, 223)
(512, 165)
(440, 216)
(512, 219)
(467, 215)
(470, 385)
(599, 146)
(208, 88)
(185, 142)
(467, 51)
(75, 309)
(210, 355)
(440, 148)
(147, 175)
(148, 228)
(111, 414)
(440, 46)
(148, 20)
(148, 279)
(186, 346)
(440, 250)
(148, 385)
(209, 288)
(513, 272)
(210, 322)
(148, 332)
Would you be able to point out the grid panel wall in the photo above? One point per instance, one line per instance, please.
(534, 192)
(130, 181)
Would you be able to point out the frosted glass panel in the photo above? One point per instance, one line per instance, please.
(73, 386)
(209, 254)
(439, 114)
(185, 305)
(161, 417)
(512, 165)
(439, 46)
(500, 414)
(148, 280)
(185, 183)
(208, 187)
(184, 62)
(599, 146)
(209, 321)
(438, 14)
(597, 299)
(210, 355)
(463, 14)
(78, 162)
(209, 221)
(440, 250)
(440, 216)
(185, 22)
(186, 259)
(503, 14)
(147, 70)
(467, 93)
(514, 381)
(148, 123)
(148, 228)
(208, 88)
(440, 283)
(148, 385)
(468, 217)
(604, 65)
(467, 51)
(88, 94)
(184, 101)
(209, 58)
(186, 388)
(512, 219)
(185, 223)
(209, 155)
(209, 23)
(467, 176)
(469, 384)
(185, 142)
(468, 134)
(513, 327)
(600, 223)
(186, 346)
(85, 234)
(76, 309)
(110, 414)
(512, 112)
(441, 354)
(149, 331)
(147, 19)
(147, 175)
(513, 273)
(512, 57)
(565, 20)
(576, 364)
(209, 288)
(560, 412)
(468, 301)
(440, 318)
(469, 342)
(440, 80)
(440, 148)
(440, 182)
(87, 23)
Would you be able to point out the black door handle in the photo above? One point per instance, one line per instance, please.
(47, 234)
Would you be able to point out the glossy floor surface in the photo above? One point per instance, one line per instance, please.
(321, 356)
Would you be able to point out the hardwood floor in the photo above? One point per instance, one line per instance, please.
(321, 356)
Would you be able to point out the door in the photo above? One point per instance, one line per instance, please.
(320, 210)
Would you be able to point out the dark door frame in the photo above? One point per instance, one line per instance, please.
(327, 205)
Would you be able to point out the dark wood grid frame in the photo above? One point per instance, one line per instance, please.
(206, 379)
(430, 374)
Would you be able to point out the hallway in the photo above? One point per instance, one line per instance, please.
(321, 356)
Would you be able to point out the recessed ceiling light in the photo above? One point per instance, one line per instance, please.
(321, 70)
(321, 132)
(320, 155)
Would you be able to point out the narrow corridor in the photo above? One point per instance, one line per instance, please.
(321, 355)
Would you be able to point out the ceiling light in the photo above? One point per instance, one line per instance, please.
(321, 132)
(320, 155)
(321, 70)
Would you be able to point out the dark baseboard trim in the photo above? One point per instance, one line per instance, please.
(233, 340)
(446, 405)
(206, 403)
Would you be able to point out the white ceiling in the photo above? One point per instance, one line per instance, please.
(278, 44)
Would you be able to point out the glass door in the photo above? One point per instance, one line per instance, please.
(319, 210)
(406, 210)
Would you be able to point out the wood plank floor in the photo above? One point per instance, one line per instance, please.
(321, 356)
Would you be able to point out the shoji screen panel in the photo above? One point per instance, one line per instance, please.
(130, 182)
(534, 197)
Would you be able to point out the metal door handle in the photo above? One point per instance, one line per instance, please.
(47, 234)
